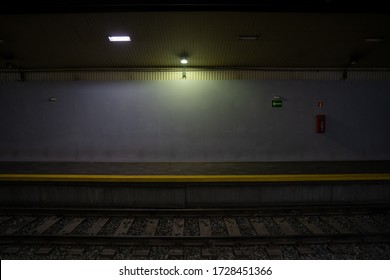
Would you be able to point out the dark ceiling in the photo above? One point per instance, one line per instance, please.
(289, 34)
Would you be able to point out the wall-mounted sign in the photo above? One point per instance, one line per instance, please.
(277, 103)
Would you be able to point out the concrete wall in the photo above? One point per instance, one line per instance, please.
(189, 195)
(189, 120)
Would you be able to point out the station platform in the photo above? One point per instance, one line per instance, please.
(193, 184)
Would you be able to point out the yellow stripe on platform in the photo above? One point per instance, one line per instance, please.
(195, 178)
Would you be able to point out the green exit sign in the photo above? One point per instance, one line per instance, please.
(277, 103)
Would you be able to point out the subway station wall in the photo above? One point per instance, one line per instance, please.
(186, 120)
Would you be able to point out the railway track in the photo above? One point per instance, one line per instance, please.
(197, 228)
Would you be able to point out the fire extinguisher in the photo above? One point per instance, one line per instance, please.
(320, 123)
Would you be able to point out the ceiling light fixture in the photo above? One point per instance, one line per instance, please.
(374, 39)
(119, 38)
(249, 38)
(184, 61)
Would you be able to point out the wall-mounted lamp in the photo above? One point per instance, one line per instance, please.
(353, 61)
(184, 61)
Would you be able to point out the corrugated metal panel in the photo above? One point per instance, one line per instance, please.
(192, 74)
(6, 76)
(369, 75)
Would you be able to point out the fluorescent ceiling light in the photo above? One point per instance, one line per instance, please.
(374, 39)
(184, 61)
(119, 38)
(248, 37)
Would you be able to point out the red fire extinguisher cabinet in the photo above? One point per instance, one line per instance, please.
(320, 123)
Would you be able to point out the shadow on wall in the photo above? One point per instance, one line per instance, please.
(347, 138)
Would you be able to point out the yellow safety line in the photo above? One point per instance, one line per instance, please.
(196, 178)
